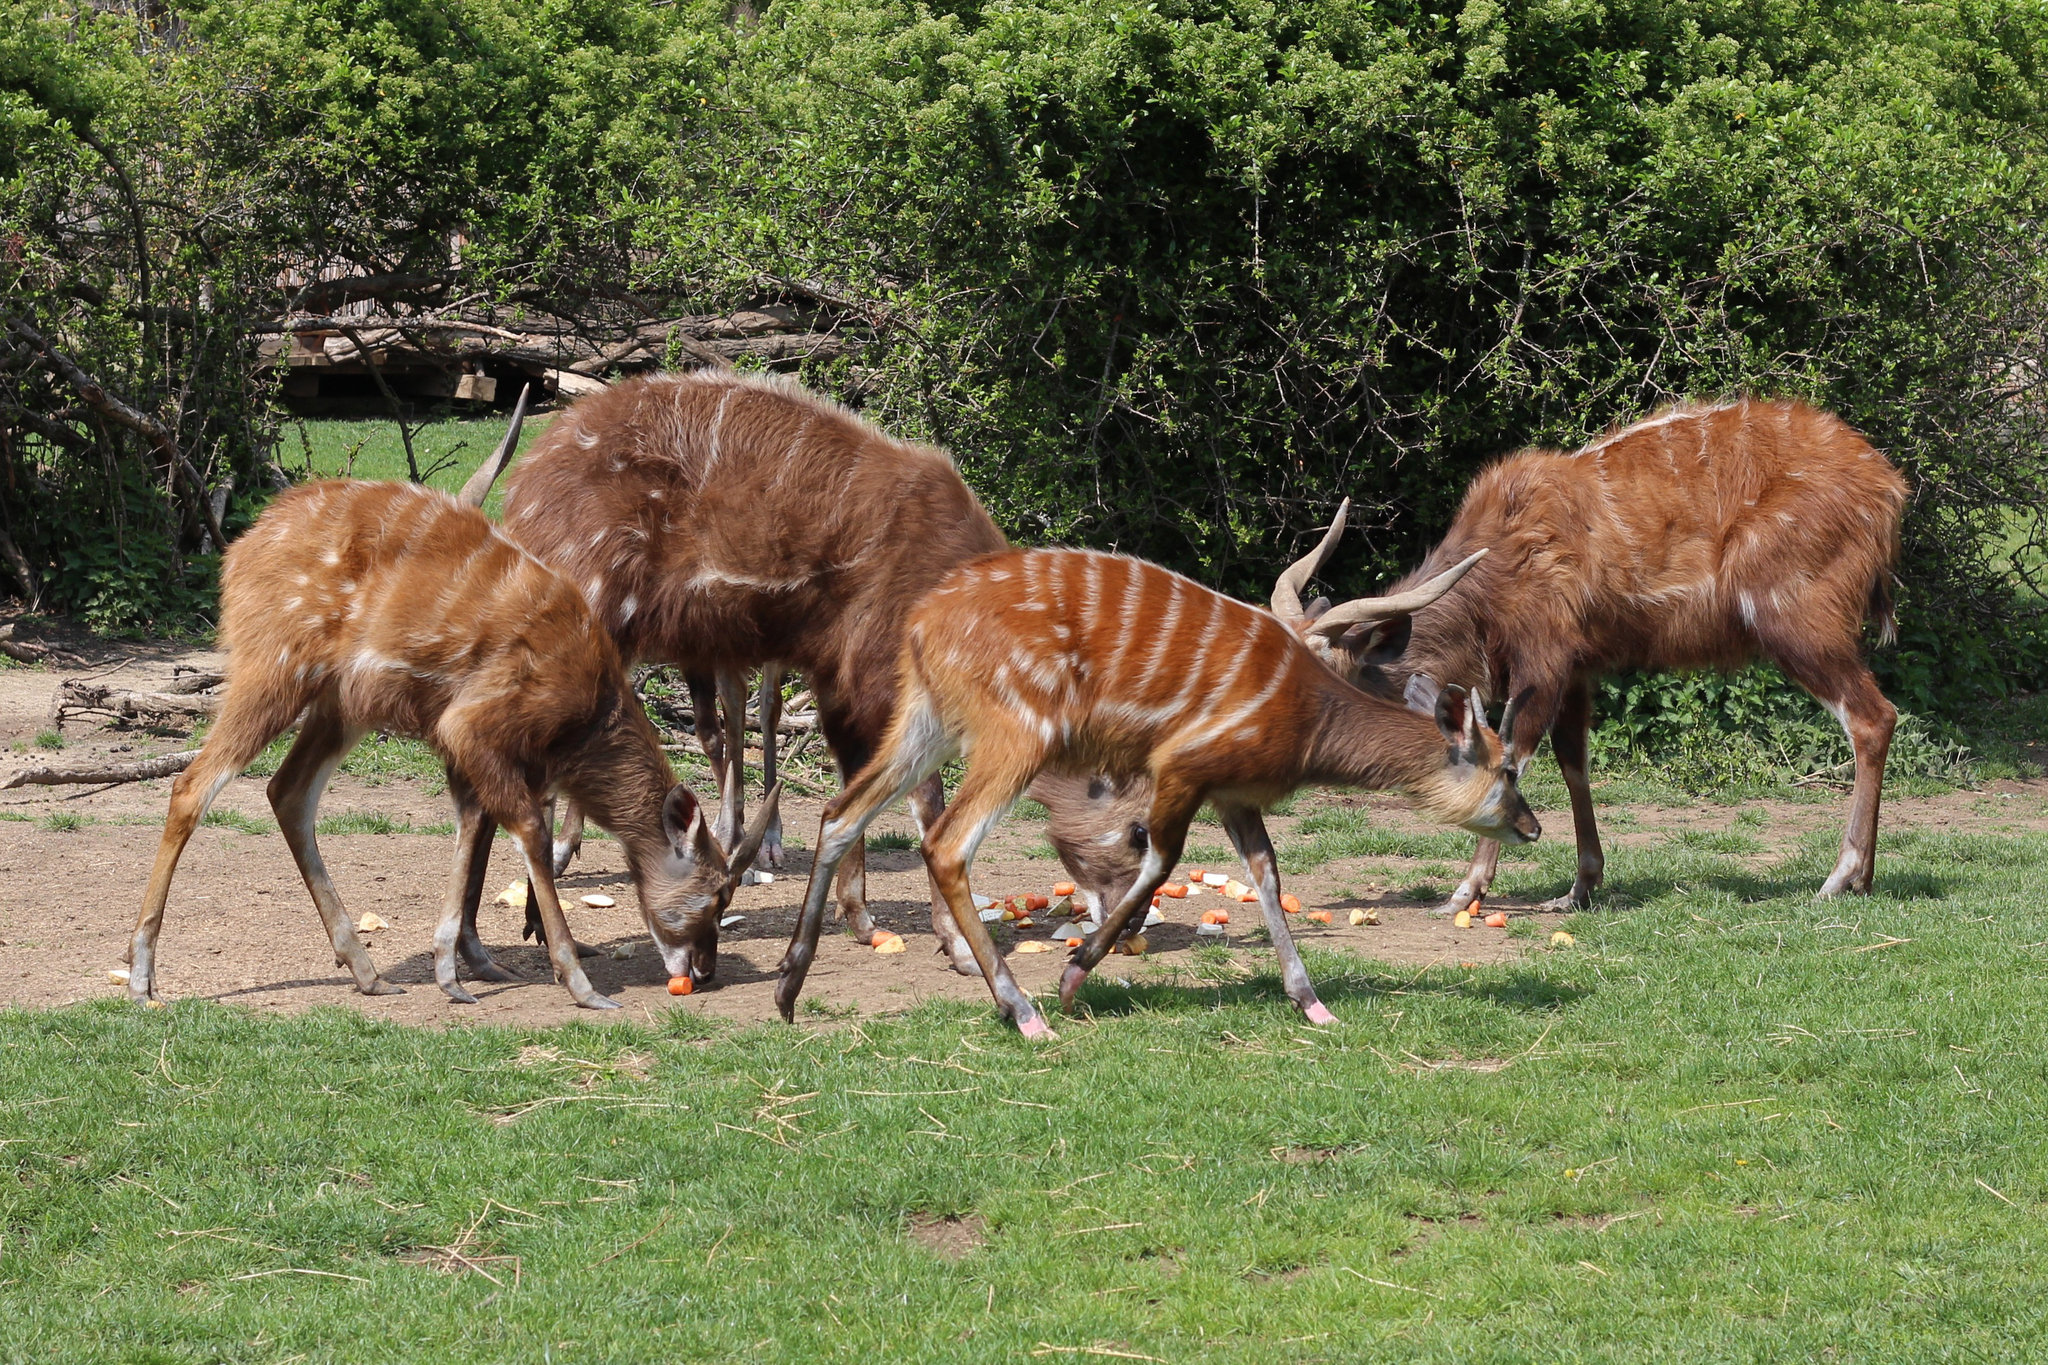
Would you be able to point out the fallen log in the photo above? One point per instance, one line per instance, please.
(105, 774)
(74, 696)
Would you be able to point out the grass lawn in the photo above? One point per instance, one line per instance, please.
(448, 448)
(1729, 1124)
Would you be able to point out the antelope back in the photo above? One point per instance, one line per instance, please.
(1686, 540)
(404, 603)
(721, 520)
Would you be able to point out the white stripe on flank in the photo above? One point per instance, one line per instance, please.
(717, 429)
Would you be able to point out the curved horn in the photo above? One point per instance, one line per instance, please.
(479, 486)
(1287, 591)
(1507, 717)
(742, 856)
(1345, 615)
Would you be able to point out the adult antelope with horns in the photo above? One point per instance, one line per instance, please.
(722, 521)
(1701, 537)
(1068, 660)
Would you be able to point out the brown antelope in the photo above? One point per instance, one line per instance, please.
(1075, 661)
(722, 522)
(1702, 537)
(353, 606)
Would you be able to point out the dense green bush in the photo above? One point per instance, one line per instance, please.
(1177, 276)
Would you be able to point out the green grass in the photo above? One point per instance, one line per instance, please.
(65, 821)
(1730, 1124)
(451, 447)
(49, 739)
(235, 820)
(379, 758)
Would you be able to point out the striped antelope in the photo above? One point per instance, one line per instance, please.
(353, 606)
(1072, 660)
(1702, 537)
(723, 522)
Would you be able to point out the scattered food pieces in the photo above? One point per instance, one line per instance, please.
(1213, 879)
(886, 942)
(371, 922)
(1063, 888)
(1478, 906)
(680, 985)
(1234, 889)
(1319, 916)
(118, 976)
(1209, 929)
(624, 951)
(1027, 923)
(1372, 914)
(153, 1003)
(1497, 920)
(1037, 903)
(1073, 940)
(1463, 919)
(1215, 917)
(1197, 875)
(991, 914)
(514, 895)
(1561, 939)
(1034, 946)
(1174, 891)
(756, 877)
(598, 902)
(1153, 917)
(1134, 946)
(1291, 903)
(1358, 918)
(730, 920)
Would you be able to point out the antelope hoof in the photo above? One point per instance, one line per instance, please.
(1032, 1026)
(455, 992)
(489, 970)
(1318, 1013)
(1568, 902)
(379, 986)
(1070, 982)
(564, 855)
(594, 1001)
(786, 992)
(1461, 899)
(585, 949)
(771, 848)
(960, 959)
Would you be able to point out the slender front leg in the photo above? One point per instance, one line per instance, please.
(1532, 722)
(568, 834)
(1568, 745)
(457, 929)
(770, 707)
(532, 833)
(295, 797)
(927, 804)
(704, 715)
(732, 696)
(1247, 831)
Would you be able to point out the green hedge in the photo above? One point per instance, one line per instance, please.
(1175, 277)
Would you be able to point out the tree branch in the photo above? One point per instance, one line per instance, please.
(114, 410)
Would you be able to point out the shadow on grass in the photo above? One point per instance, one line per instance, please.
(1510, 986)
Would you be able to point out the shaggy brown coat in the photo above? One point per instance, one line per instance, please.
(1701, 537)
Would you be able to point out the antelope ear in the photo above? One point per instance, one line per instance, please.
(1455, 718)
(1421, 693)
(1378, 642)
(682, 820)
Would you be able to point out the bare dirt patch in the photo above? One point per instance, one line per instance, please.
(951, 1237)
(241, 928)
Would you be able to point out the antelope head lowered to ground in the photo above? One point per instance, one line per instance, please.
(1702, 537)
(1068, 659)
(724, 522)
(353, 606)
